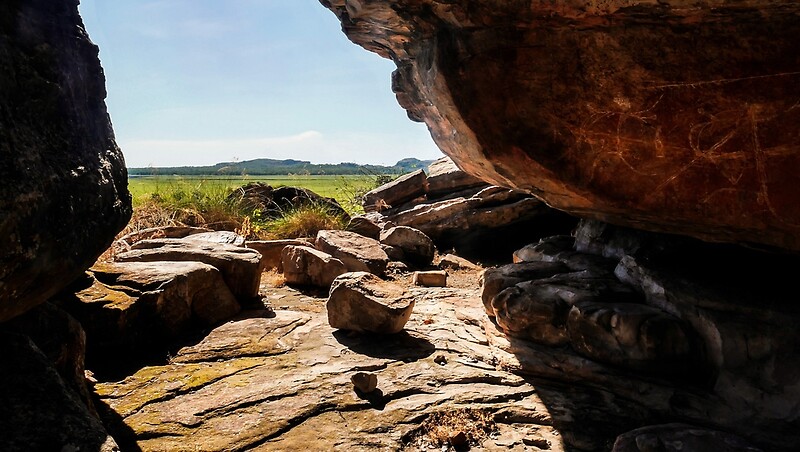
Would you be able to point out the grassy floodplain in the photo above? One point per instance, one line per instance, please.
(342, 188)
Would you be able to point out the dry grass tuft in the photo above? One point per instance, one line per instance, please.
(273, 278)
(458, 428)
(304, 221)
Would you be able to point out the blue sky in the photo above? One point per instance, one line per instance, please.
(195, 82)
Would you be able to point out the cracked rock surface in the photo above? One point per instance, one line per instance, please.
(281, 380)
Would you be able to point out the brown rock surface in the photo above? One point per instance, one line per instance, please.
(281, 381)
(444, 177)
(631, 335)
(674, 116)
(271, 250)
(362, 302)
(284, 383)
(304, 265)
(358, 253)
(240, 267)
(680, 438)
(140, 306)
(404, 188)
(62, 339)
(417, 248)
(63, 182)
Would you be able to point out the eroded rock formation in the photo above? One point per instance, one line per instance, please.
(667, 115)
(63, 183)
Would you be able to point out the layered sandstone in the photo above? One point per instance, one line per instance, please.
(668, 115)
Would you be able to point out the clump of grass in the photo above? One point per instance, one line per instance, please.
(303, 221)
(273, 278)
(200, 204)
(458, 428)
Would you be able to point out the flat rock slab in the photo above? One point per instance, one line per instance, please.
(224, 237)
(396, 192)
(284, 383)
(240, 267)
(445, 177)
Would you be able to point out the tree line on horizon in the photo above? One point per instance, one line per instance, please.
(272, 167)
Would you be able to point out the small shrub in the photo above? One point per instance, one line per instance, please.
(351, 194)
(304, 221)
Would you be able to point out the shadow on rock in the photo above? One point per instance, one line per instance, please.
(401, 346)
(375, 398)
(116, 426)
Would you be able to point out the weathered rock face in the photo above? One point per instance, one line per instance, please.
(39, 412)
(361, 301)
(417, 248)
(63, 183)
(703, 333)
(240, 267)
(137, 307)
(358, 253)
(673, 115)
(304, 265)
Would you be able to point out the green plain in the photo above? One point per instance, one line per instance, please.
(342, 188)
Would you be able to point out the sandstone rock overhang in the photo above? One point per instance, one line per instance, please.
(671, 115)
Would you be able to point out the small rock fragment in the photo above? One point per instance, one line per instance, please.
(458, 439)
(456, 263)
(440, 359)
(435, 278)
(540, 443)
(364, 381)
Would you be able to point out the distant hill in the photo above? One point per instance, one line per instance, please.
(271, 167)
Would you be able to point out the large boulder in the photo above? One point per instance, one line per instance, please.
(139, 306)
(63, 182)
(358, 253)
(307, 266)
(240, 267)
(672, 115)
(630, 335)
(272, 250)
(418, 249)
(363, 302)
(38, 411)
(445, 177)
(273, 202)
(496, 279)
(538, 309)
(404, 188)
